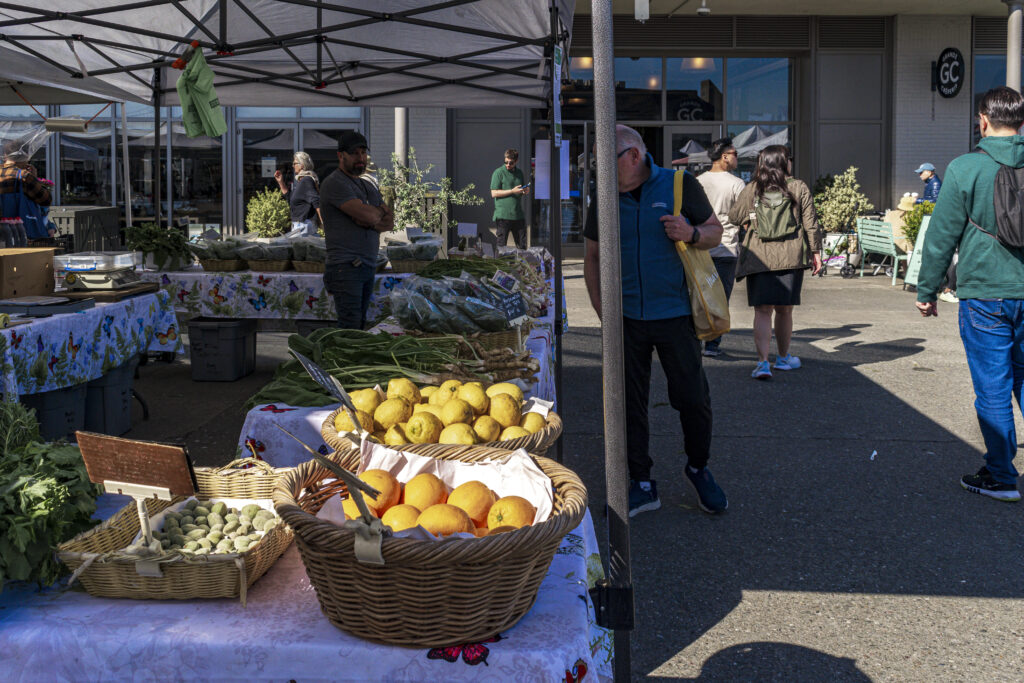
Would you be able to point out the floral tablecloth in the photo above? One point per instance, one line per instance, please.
(65, 350)
(282, 635)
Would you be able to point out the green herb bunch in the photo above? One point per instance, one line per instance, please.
(168, 246)
(912, 220)
(839, 204)
(46, 498)
(267, 213)
(406, 191)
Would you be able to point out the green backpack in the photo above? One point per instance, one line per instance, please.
(773, 216)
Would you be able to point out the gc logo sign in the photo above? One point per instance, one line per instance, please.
(948, 74)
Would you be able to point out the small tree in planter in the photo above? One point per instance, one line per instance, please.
(406, 191)
(839, 204)
(268, 214)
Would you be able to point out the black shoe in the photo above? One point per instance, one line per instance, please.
(983, 483)
(641, 500)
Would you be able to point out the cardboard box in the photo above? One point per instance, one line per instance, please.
(26, 272)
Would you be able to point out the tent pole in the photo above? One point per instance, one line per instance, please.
(125, 179)
(556, 221)
(157, 155)
(619, 596)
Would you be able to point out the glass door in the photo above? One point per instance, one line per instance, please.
(320, 142)
(265, 148)
(686, 146)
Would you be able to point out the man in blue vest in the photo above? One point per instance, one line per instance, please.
(656, 314)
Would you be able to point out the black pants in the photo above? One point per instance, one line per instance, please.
(679, 351)
(351, 286)
(517, 228)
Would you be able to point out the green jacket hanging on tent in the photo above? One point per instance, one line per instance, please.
(201, 112)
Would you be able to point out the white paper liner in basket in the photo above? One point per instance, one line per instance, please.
(515, 474)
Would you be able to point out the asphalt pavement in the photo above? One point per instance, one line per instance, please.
(849, 552)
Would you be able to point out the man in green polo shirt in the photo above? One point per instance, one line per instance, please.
(507, 185)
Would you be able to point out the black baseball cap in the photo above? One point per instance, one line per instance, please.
(351, 140)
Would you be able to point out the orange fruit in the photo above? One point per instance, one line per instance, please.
(401, 517)
(351, 511)
(444, 519)
(513, 511)
(475, 498)
(389, 488)
(424, 490)
(500, 530)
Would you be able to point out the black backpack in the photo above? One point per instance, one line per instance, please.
(1008, 198)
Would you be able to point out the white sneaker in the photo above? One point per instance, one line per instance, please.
(948, 297)
(787, 363)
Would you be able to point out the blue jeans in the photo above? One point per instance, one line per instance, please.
(351, 286)
(993, 335)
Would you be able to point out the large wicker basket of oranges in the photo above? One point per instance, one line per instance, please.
(453, 413)
(428, 593)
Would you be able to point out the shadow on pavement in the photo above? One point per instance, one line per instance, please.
(777, 662)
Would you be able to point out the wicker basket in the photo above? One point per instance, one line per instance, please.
(212, 265)
(222, 575)
(408, 265)
(308, 266)
(270, 266)
(427, 593)
(535, 444)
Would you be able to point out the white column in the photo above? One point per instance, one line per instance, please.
(402, 134)
(1013, 43)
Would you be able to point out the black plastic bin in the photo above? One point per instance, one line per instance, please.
(304, 328)
(60, 412)
(223, 349)
(108, 400)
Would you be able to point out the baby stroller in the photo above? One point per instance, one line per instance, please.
(847, 270)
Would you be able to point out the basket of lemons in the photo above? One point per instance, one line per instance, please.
(454, 413)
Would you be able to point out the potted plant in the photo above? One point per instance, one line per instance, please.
(912, 222)
(422, 203)
(839, 203)
(162, 248)
(267, 214)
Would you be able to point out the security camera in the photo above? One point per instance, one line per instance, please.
(703, 10)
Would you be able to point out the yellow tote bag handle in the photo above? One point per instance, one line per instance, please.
(677, 192)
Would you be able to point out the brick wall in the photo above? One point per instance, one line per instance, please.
(926, 126)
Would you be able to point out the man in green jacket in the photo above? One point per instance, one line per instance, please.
(990, 285)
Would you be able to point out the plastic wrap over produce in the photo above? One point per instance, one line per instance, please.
(21, 143)
(449, 305)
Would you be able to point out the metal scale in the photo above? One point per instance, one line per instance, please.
(99, 271)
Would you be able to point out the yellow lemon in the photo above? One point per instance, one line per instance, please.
(401, 517)
(423, 428)
(427, 408)
(487, 428)
(505, 388)
(444, 519)
(424, 490)
(389, 488)
(474, 395)
(456, 410)
(513, 432)
(514, 511)
(392, 412)
(458, 433)
(445, 392)
(378, 436)
(426, 392)
(365, 400)
(504, 408)
(343, 423)
(533, 422)
(401, 387)
(395, 436)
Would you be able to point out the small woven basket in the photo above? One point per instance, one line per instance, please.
(428, 593)
(270, 266)
(106, 573)
(308, 266)
(535, 444)
(408, 265)
(211, 265)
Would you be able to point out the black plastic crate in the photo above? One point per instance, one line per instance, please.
(93, 228)
(222, 349)
(304, 328)
(108, 400)
(60, 412)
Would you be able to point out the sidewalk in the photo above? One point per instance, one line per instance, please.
(830, 564)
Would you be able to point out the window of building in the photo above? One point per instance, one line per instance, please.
(85, 166)
(989, 72)
(266, 112)
(638, 88)
(750, 139)
(331, 113)
(758, 89)
(693, 89)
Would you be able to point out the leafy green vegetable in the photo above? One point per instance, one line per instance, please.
(18, 426)
(46, 498)
(169, 247)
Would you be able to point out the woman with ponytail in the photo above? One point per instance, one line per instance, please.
(782, 240)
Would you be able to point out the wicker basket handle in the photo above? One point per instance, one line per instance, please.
(235, 464)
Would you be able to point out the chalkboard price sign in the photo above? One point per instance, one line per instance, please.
(515, 308)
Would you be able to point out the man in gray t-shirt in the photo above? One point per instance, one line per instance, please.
(354, 216)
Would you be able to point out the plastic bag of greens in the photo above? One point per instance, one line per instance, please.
(278, 252)
(488, 317)
(400, 252)
(415, 312)
(202, 250)
(252, 252)
(316, 251)
(426, 249)
(299, 247)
